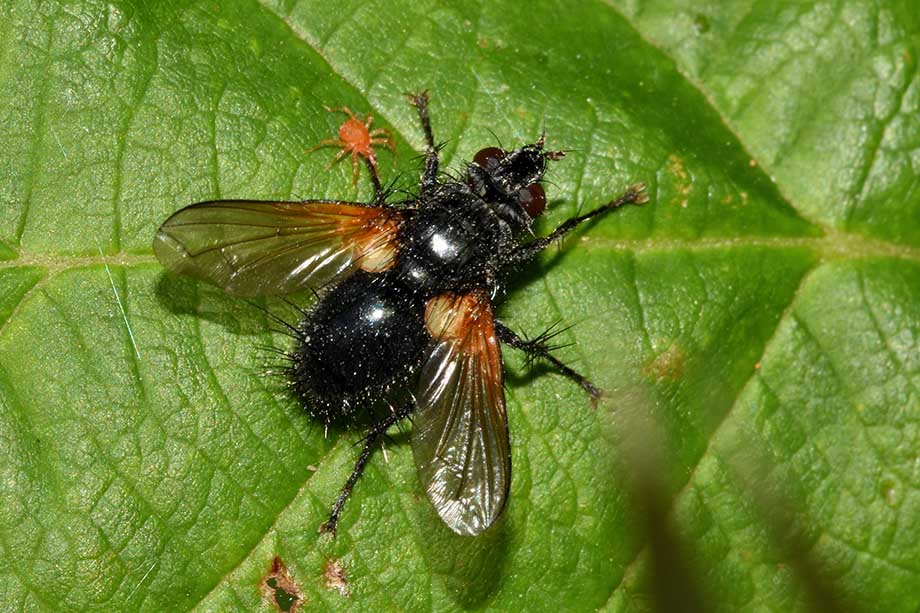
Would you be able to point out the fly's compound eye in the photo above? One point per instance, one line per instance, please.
(488, 158)
(532, 199)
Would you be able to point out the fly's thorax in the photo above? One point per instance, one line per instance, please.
(451, 243)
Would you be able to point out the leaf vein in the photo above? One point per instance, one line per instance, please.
(874, 148)
(38, 126)
(885, 340)
(38, 284)
(787, 312)
(121, 143)
(245, 557)
(225, 401)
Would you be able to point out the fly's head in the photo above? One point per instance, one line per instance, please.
(510, 181)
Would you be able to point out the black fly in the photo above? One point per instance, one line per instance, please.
(406, 319)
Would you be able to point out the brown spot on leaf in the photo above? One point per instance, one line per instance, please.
(280, 589)
(668, 365)
(334, 577)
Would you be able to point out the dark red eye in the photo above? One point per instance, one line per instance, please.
(487, 158)
(533, 200)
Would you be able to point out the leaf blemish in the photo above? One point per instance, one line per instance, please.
(280, 589)
(668, 365)
(889, 492)
(684, 186)
(334, 577)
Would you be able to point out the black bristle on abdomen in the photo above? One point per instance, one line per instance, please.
(356, 348)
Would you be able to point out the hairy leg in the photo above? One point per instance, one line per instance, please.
(634, 195)
(430, 174)
(539, 348)
(379, 193)
(370, 442)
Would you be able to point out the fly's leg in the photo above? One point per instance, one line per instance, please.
(420, 101)
(370, 161)
(430, 174)
(370, 442)
(537, 348)
(634, 195)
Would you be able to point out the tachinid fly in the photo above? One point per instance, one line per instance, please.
(404, 320)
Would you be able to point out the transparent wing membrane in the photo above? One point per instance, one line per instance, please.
(252, 248)
(460, 432)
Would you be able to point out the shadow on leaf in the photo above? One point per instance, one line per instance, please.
(184, 296)
(470, 567)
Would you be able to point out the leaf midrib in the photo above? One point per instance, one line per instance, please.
(827, 247)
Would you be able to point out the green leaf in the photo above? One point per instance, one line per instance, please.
(756, 325)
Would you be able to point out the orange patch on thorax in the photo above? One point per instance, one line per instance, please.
(450, 316)
(375, 244)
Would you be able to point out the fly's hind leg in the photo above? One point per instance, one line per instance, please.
(430, 174)
(370, 442)
(539, 348)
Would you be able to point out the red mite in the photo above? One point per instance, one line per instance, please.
(356, 138)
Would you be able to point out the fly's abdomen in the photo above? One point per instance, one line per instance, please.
(364, 336)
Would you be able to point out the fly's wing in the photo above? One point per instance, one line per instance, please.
(460, 431)
(252, 248)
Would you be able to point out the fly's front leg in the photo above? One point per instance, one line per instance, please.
(634, 195)
(539, 348)
(430, 174)
(380, 195)
(370, 442)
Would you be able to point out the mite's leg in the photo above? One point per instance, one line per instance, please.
(329, 142)
(370, 441)
(430, 175)
(338, 156)
(538, 348)
(354, 168)
(634, 195)
(382, 136)
(369, 158)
